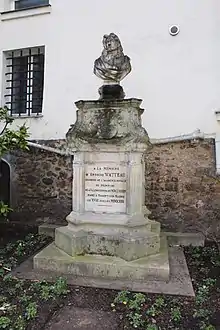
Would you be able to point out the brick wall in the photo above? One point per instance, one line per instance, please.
(182, 189)
(42, 184)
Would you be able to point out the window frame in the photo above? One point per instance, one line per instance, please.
(30, 82)
(26, 7)
(10, 13)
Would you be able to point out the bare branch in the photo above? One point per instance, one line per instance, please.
(4, 128)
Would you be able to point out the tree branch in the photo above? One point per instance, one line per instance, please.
(4, 128)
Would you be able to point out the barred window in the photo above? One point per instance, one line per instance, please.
(25, 81)
(22, 4)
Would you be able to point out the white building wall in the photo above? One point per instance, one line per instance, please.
(178, 77)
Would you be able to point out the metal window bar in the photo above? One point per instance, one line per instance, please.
(11, 86)
(29, 81)
(25, 86)
(8, 73)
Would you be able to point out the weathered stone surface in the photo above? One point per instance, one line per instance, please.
(47, 181)
(174, 238)
(115, 122)
(120, 224)
(126, 246)
(182, 188)
(108, 217)
(179, 282)
(41, 185)
(107, 267)
(47, 229)
(72, 243)
(185, 239)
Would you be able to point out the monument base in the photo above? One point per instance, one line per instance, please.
(105, 267)
(128, 246)
(109, 235)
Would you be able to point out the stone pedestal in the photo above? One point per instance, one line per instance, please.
(108, 233)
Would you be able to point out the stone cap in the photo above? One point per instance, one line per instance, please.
(110, 122)
(88, 104)
(135, 147)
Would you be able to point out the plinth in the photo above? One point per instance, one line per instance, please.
(108, 234)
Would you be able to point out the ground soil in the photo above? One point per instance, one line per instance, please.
(10, 232)
(204, 265)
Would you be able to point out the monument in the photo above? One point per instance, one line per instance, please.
(109, 235)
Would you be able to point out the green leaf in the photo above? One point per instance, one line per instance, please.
(4, 322)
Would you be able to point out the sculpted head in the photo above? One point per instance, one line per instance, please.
(111, 43)
(112, 66)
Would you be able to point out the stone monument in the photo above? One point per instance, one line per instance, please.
(109, 235)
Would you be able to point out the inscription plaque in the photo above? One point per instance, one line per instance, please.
(105, 188)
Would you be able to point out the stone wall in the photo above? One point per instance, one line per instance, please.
(42, 184)
(182, 189)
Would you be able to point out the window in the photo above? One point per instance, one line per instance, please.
(23, 4)
(25, 81)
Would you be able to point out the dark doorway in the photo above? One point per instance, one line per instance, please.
(4, 182)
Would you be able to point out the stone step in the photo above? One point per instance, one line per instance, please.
(49, 229)
(155, 226)
(183, 239)
(126, 246)
(105, 267)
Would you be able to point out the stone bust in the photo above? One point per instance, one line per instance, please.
(112, 66)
